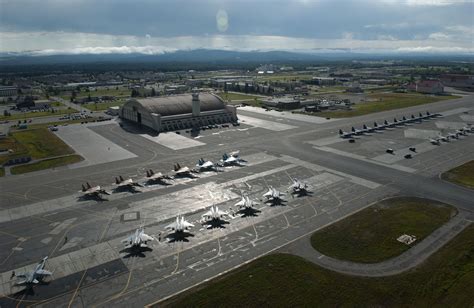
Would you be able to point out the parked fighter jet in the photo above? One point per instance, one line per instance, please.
(367, 129)
(273, 195)
(435, 141)
(387, 123)
(231, 160)
(152, 177)
(214, 214)
(126, 184)
(138, 239)
(96, 191)
(246, 202)
(203, 165)
(356, 131)
(379, 127)
(298, 187)
(182, 171)
(443, 138)
(35, 275)
(453, 136)
(179, 225)
(344, 134)
(235, 153)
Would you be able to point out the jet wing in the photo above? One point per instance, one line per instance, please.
(187, 224)
(269, 193)
(171, 226)
(241, 202)
(128, 239)
(145, 237)
(43, 272)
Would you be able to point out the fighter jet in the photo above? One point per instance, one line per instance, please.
(443, 138)
(344, 134)
(246, 203)
(395, 122)
(273, 195)
(453, 136)
(179, 225)
(214, 214)
(231, 160)
(182, 171)
(96, 191)
(138, 239)
(434, 141)
(388, 124)
(367, 129)
(378, 127)
(356, 131)
(203, 165)
(298, 187)
(234, 154)
(35, 275)
(152, 177)
(128, 183)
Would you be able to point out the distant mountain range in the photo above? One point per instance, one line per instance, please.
(211, 57)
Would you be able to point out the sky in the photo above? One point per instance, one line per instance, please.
(45, 27)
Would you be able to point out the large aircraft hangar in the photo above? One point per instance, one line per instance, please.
(166, 113)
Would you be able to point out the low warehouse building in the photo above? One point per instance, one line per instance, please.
(176, 112)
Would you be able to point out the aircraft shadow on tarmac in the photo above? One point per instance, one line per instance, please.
(92, 198)
(130, 189)
(179, 237)
(216, 224)
(157, 182)
(276, 202)
(28, 289)
(302, 193)
(248, 212)
(135, 251)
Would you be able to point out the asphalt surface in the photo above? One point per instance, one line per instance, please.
(42, 213)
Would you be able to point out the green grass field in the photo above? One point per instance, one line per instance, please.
(2, 171)
(385, 101)
(29, 115)
(446, 279)
(462, 175)
(370, 235)
(103, 106)
(41, 143)
(46, 164)
(235, 96)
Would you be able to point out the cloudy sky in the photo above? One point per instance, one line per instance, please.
(155, 26)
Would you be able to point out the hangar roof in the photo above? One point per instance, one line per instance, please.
(179, 104)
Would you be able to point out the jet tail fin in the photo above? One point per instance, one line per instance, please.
(117, 180)
(121, 178)
(83, 188)
(88, 185)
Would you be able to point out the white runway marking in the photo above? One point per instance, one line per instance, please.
(173, 141)
(265, 124)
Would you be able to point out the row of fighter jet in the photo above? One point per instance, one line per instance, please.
(377, 127)
(458, 132)
(231, 159)
(139, 239)
(214, 215)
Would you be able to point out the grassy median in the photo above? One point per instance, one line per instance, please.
(370, 235)
(46, 164)
(386, 101)
(462, 175)
(446, 279)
